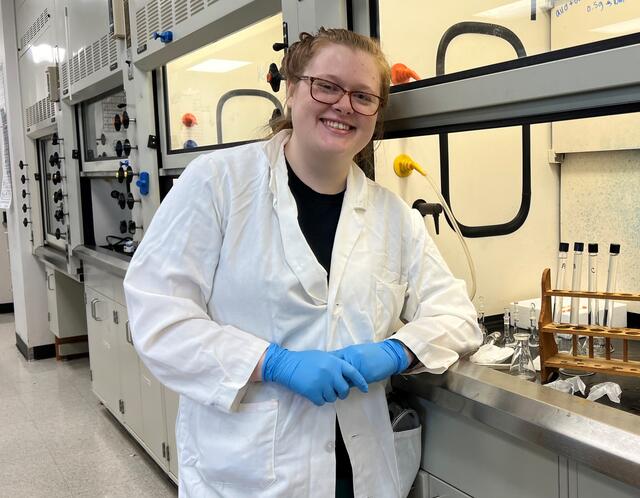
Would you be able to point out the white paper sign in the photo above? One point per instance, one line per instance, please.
(5, 188)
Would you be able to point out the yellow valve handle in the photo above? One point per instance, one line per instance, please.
(403, 166)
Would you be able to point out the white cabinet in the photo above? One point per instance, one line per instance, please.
(130, 404)
(125, 385)
(115, 368)
(103, 351)
(155, 429)
(171, 401)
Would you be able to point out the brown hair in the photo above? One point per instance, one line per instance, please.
(301, 52)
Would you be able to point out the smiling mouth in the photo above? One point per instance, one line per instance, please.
(336, 125)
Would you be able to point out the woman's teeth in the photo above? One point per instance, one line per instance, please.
(336, 125)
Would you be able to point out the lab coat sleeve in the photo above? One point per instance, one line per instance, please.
(441, 320)
(167, 287)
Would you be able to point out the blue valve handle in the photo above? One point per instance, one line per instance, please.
(165, 36)
(143, 183)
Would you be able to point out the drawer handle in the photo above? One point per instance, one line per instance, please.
(94, 313)
(128, 333)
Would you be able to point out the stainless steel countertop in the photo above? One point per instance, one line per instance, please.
(54, 257)
(109, 261)
(605, 438)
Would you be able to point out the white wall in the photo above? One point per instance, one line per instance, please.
(600, 204)
(27, 275)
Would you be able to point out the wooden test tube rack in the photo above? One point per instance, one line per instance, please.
(551, 360)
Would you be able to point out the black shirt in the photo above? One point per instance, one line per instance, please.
(318, 216)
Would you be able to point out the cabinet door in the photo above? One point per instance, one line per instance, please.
(51, 301)
(103, 351)
(129, 371)
(171, 400)
(153, 423)
(440, 489)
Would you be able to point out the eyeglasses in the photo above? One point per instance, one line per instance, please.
(327, 92)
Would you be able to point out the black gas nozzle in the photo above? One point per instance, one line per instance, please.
(427, 208)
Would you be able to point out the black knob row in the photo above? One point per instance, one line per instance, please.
(122, 174)
(122, 122)
(54, 159)
(123, 201)
(130, 227)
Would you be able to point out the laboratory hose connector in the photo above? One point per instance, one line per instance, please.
(403, 166)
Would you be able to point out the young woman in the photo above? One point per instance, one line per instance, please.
(271, 288)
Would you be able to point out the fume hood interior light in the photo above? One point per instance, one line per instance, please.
(42, 53)
(512, 10)
(620, 28)
(218, 66)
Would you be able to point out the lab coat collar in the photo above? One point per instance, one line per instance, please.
(298, 254)
(356, 193)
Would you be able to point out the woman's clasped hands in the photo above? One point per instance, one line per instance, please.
(322, 377)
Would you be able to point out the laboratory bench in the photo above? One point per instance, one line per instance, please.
(487, 434)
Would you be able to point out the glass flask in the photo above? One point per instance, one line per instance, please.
(521, 363)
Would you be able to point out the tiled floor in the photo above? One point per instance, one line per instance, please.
(57, 440)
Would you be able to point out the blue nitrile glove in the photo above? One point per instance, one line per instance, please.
(376, 360)
(317, 375)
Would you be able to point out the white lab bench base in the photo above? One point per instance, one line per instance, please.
(464, 458)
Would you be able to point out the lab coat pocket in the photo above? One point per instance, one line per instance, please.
(389, 304)
(237, 448)
(408, 445)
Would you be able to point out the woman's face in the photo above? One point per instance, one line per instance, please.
(334, 130)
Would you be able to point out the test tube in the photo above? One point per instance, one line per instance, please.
(593, 315)
(562, 269)
(576, 278)
(614, 251)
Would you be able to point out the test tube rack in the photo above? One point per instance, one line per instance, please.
(551, 360)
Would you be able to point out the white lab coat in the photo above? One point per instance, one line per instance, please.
(224, 270)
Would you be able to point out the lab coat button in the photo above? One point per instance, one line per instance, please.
(330, 447)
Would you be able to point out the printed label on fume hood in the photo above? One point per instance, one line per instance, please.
(5, 189)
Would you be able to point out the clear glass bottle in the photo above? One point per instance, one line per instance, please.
(534, 339)
(481, 324)
(507, 336)
(521, 362)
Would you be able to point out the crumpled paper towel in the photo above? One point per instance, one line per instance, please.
(611, 389)
(570, 385)
(489, 353)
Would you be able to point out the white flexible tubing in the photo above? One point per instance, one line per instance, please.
(472, 268)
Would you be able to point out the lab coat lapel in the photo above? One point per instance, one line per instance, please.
(349, 227)
(297, 252)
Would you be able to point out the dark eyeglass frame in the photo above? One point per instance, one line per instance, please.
(350, 93)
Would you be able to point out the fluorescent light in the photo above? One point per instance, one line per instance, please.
(520, 8)
(630, 26)
(42, 53)
(218, 66)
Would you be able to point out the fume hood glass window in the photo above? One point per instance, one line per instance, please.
(51, 185)
(219, 94)
(105, 124)
(585, 190)
(427, 39)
